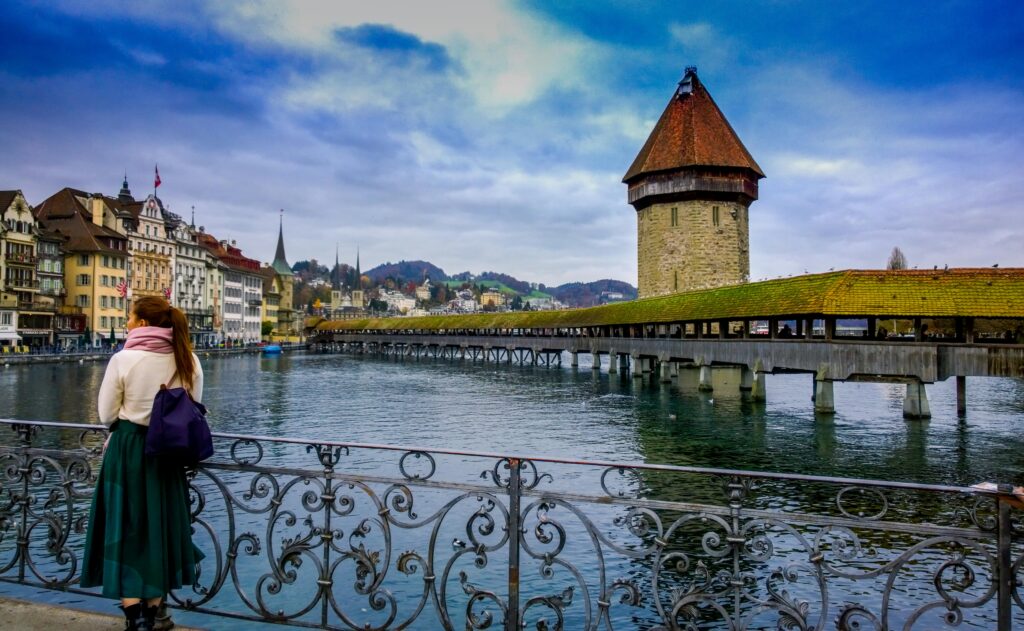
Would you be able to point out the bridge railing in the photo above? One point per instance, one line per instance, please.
(358, 536)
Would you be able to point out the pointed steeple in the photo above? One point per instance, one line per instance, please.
(336, 280)
(359, 274)
(280, 263)
(125, 194)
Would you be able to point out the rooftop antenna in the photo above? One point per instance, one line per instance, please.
(193, 215)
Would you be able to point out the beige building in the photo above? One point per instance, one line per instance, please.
(492, 298)
(692, 185)
(96, 259)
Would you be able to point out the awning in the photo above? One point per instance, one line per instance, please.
(10, 335)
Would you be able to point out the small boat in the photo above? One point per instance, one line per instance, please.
(272, 349)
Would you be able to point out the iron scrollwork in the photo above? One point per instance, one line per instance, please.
(369, 537)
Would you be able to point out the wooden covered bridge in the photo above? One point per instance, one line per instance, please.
(909, 326)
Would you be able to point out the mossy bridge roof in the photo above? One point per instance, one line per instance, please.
(978, 293)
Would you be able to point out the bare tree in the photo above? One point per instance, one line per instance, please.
(897, 260)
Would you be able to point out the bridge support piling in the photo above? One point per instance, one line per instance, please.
(596, 360)
(624, 363)
(961, 396)
(915, 403)
(575, 359)
(613, 359)
(704, 383)
(746, 379)
(673, 370)
(824, 397)
(666, 372)
(758, 391)
(638, 368)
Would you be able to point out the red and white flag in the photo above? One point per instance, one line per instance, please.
(167, 293)
(156, 180)
(122, 289)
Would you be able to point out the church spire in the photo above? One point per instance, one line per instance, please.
(280, 263)
(125, 194)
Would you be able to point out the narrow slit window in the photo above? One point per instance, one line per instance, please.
(714, 215)
(675, 278)
(675, 216)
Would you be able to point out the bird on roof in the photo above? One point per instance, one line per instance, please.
(996, 265)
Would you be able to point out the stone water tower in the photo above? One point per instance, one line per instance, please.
(691, 185)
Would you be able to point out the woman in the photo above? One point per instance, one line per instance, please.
(139, 543)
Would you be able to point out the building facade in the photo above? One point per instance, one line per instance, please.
(691, 186)
(96, 262)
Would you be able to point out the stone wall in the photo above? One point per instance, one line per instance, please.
(695, 251)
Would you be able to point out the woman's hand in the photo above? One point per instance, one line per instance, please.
(106, 442)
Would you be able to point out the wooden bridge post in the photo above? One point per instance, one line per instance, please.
(613, 360)
(824, 397)
(746, 378)
(961, 396)
(758, 391)
(915, 403)
(704, 383)
(666, 370)
(575, 359)
(596, 360)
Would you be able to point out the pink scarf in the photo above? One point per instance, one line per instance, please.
(154, 339)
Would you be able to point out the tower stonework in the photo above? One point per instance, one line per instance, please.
(692, 185)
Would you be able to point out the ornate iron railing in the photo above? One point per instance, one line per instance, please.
(357, 536)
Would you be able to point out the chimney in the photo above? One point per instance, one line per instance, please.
(96, 208)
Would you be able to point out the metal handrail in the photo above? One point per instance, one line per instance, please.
(309, 504)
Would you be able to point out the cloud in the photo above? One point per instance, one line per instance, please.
(507, 56)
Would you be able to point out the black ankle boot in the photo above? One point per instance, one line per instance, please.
(134, 620)
(149, 617)
(163, 620)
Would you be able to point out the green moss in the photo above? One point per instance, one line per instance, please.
(985, 293)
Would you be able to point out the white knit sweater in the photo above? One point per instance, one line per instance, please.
(131, 382)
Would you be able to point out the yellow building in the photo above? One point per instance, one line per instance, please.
(271, 299)
(492, 298)
(153, 248)
(96, 259)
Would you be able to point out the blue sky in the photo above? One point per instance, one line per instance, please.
(494, 136)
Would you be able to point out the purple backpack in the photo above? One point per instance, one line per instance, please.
(177, 427)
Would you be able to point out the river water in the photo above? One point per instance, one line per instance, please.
(576, 414)
(579, 413)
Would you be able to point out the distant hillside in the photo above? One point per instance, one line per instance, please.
(407, 271)
(570, 294)
(589, 294)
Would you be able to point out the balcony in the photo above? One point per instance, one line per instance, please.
(21, 284)
(22, 260)
(41, 307)
(254, 302)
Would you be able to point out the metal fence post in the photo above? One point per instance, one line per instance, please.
(1005, 561)
(512, 622)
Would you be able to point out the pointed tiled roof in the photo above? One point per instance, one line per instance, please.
(692, 132)
(7, 198)
(64, 211)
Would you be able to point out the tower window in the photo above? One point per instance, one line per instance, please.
(675, 216)
(714, 215)
(675, 277)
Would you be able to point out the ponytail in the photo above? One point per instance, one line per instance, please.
(182, 349)
(158, 312)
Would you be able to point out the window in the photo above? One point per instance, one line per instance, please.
(84, 279)
(83, 259)
(106, 261)
(103, 321)
(105, 281)
(675, 216)
(6, 318)
(675, 278)
(82, 301)
(714, 215)
(120, 323)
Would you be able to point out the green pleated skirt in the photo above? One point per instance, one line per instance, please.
(139, 542)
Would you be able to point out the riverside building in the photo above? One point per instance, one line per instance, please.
(96, 260)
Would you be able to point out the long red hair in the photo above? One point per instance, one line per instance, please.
(156, 311)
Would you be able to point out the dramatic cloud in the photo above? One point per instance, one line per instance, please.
(493, 135)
